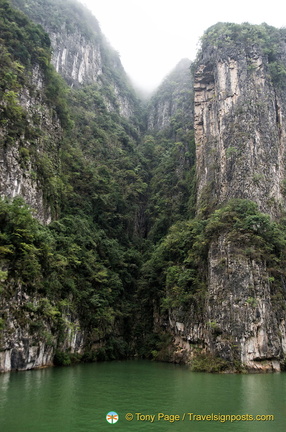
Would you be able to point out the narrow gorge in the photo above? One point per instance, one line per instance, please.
(134, 229)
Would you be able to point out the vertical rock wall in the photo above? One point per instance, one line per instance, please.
(80, 52)
(174, 96)
(31, 336)
(240, 129)
(245, 325)
(75, 58)
(18, 159)
(240, 133)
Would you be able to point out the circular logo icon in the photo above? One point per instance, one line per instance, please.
(129, 417)
(112, 417)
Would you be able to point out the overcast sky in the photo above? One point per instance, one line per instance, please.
(152, 36)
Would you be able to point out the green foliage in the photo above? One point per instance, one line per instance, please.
(252, 302)
(23, 244)
(225, 34)
(124, 244)
(56, 96)
(26, 41)
(246, 226)
(63, 358)
(23, 46)
(70, 257)
(13, 116)
(114, 349)
(157, 346)
(176, 272)
(278, 72)
(169, 154)
(209, 363)
(267, 39)
(171, 183)
(231, 151)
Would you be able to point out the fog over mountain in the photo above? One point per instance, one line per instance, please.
(152, 36)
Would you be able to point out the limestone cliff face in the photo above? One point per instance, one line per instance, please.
(30, 138)
(80, 52)
(34, 135)
(173, 97)
(241, 321)
(21, 157)
(75, 58)
(246, 323)
(31, 336)
(239, 125)
(240, 133)
(75, 36)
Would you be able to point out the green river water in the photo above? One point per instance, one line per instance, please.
(77, 399)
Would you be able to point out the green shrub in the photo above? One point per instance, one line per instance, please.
(209, 363)
(62, 358)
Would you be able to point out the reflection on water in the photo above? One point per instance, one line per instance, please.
(77, 399)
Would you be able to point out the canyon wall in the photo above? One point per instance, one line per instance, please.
(240, 123)
(80, 52)
(35, 143)
(240, 134)
(24, 152)
(173, 98)
(222, 291)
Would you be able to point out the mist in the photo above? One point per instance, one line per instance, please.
(153, 36)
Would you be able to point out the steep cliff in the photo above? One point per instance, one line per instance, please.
(69, 153)
(225, 287)
(33, 119)
(80, 52)
(240, 104)
(166, 241)
(173, 97)
(32, 114)
(239, 116)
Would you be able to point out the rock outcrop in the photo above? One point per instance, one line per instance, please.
(240, 133)
(244, 320)
(173, 97)
(31, 336)
(239, 123)
(21, 158)
(80, 52)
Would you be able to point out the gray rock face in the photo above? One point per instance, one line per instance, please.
(82, 62)
(173, 96)
(240, 129)
(80, 52)
(14, 182)
(17, 164)
(30, 340)
(240, 134)
(244, 322)
(76, 59)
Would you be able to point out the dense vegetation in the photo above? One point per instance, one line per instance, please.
(92, 181)
(170, 152)
(124, 241)
(267, 39)
(178, 263)
(102, 181)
